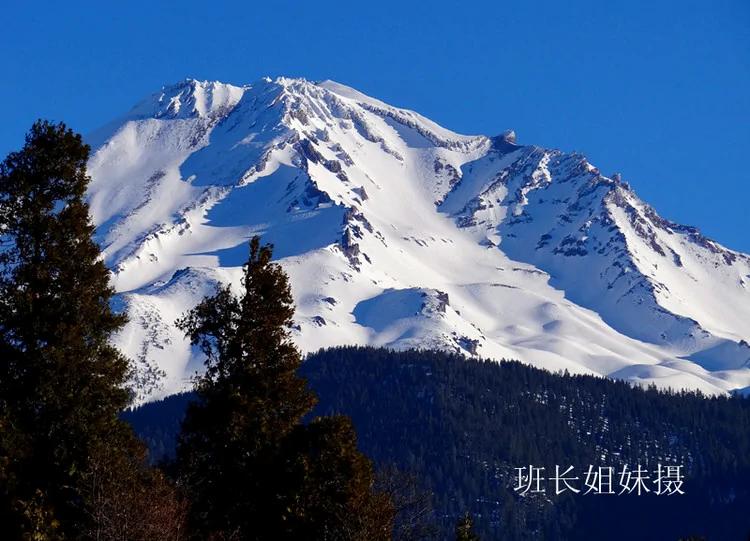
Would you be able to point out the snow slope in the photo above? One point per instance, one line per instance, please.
(400, 233)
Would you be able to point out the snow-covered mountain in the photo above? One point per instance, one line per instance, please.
(400, 233)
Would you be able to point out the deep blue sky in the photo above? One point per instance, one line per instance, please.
(657, 90)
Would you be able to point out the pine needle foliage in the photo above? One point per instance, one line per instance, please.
(251, 467)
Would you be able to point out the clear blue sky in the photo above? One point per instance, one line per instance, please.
(657, 90)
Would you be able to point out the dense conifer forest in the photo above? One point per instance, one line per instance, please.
(463, 425)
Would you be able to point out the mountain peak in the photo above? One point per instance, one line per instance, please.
(374, 210)
(189, 98)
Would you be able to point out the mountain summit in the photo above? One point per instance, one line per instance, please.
(398, 232)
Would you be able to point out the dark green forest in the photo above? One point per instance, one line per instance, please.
(461, 426)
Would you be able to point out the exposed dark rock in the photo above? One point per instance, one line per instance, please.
(443, 301)
(361, 193)
(353, 215)
(300, 115)
(505, 142)
(342, 155)
(468, 344)
(334, 166)
(309, 151)
(543, 240)
(350, 248)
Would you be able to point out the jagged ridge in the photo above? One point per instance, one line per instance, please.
(467, 243)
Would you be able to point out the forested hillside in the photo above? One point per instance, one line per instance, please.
(462, 426)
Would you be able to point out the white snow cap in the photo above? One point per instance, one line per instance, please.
(398, 232)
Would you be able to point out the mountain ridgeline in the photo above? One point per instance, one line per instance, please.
(397, 232)
(463, 426)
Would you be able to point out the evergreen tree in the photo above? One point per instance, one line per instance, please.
(62, 385)
(465, 529)
(251, 469)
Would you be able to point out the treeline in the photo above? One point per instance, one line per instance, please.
(464, 425)
(461, 426)
(246, 466)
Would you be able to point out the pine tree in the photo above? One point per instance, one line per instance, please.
(465, 529)
(62, 384)
(251, 468)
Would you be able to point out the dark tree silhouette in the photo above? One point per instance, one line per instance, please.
(251, 468)
(62, 385)
(465, 529)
